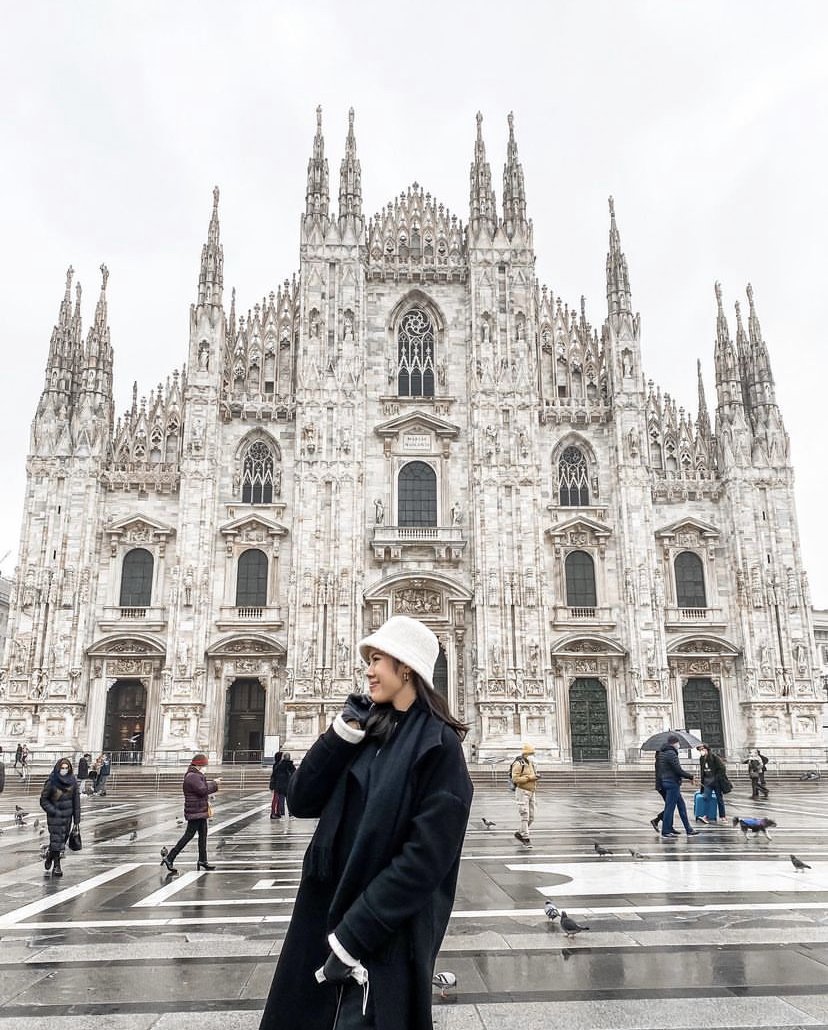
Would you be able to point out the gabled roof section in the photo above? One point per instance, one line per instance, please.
(598, 529)
(704, 529)
(245, 645)
(417, 421)
(138, 529)
(253, 526)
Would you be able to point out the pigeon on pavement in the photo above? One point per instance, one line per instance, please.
(799, 865)
(487, 822)
(133, 835)
(569, 926)
(603, 852)
(35, 824)
(551, 911)
(444, 982)
(637, 855)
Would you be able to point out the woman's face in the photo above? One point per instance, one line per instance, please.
(387, 684)
(64, 769)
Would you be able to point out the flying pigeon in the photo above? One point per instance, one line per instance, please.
(603, 852)
(133, 835)
(799, 865)
(444, 982)
(35, 824)
(569, 926)
(637, 855)
(551, 911)
(487, 822)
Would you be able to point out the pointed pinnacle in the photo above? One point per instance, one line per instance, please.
(717, 286)
(612, 207)
(510, 118)
(105, 276)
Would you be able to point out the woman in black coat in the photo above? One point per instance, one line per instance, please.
(711, 772)
(60, 800)
(279, 780)
(389, 785)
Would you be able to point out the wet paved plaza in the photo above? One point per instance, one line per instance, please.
(708, 931)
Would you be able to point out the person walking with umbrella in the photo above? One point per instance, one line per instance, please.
(669, 775)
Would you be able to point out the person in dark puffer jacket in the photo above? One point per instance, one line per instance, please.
(197, 789)
(60, 800)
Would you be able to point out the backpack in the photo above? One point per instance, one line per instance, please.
(512, 784)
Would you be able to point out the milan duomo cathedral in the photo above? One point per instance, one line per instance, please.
(411, 424)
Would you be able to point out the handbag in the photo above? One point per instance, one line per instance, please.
(725, 784)
(74, 841)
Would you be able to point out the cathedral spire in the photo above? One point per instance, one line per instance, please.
(619, 298)
(350, 179)
(317, 195)
(726, 366)
(482, 207)
(514, 193)
(97, 373)
(59, 364)
(703, 420)
(211, 276)
(761, 376)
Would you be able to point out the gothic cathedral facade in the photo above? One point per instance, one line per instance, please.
(410, 425)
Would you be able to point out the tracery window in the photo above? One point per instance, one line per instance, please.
(690, 592)
(251, 582)
(136, 579)
(257, 475)
(580, 580)
(573, 479)
(417, 495)
(415, 357)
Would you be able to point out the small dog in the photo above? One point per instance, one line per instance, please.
(754, 826)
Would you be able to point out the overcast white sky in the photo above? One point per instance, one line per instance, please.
(706, 122)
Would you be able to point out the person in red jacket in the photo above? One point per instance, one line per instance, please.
(197, 789)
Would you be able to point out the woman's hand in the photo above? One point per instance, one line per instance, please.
(355, 712)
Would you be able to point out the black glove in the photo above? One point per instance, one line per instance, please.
(357, 707)
(334, 971)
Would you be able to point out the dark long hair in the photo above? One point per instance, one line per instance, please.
(428, 698)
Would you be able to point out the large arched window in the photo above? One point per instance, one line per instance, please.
(690, 592)
(573, 479)
(257, 474)
(251, 582)
(580, 580)
(415, 355)
(417, 495)
(136, 579)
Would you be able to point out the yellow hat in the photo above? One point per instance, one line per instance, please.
(528, 749)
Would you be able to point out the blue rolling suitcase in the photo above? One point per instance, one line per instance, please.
(700, 809)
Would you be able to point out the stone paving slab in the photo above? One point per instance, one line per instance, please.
(648, 1014)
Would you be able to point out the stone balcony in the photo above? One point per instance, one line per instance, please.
(568, 618)
(264, 617)
(133, 617)
(446, 543)
(694, 618)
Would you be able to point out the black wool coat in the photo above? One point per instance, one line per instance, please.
(391, 907)
(60, 800)
(280, 777)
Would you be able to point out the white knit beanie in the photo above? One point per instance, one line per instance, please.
(407, 640)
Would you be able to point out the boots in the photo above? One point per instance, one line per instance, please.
(56, 870)
(47, 865)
